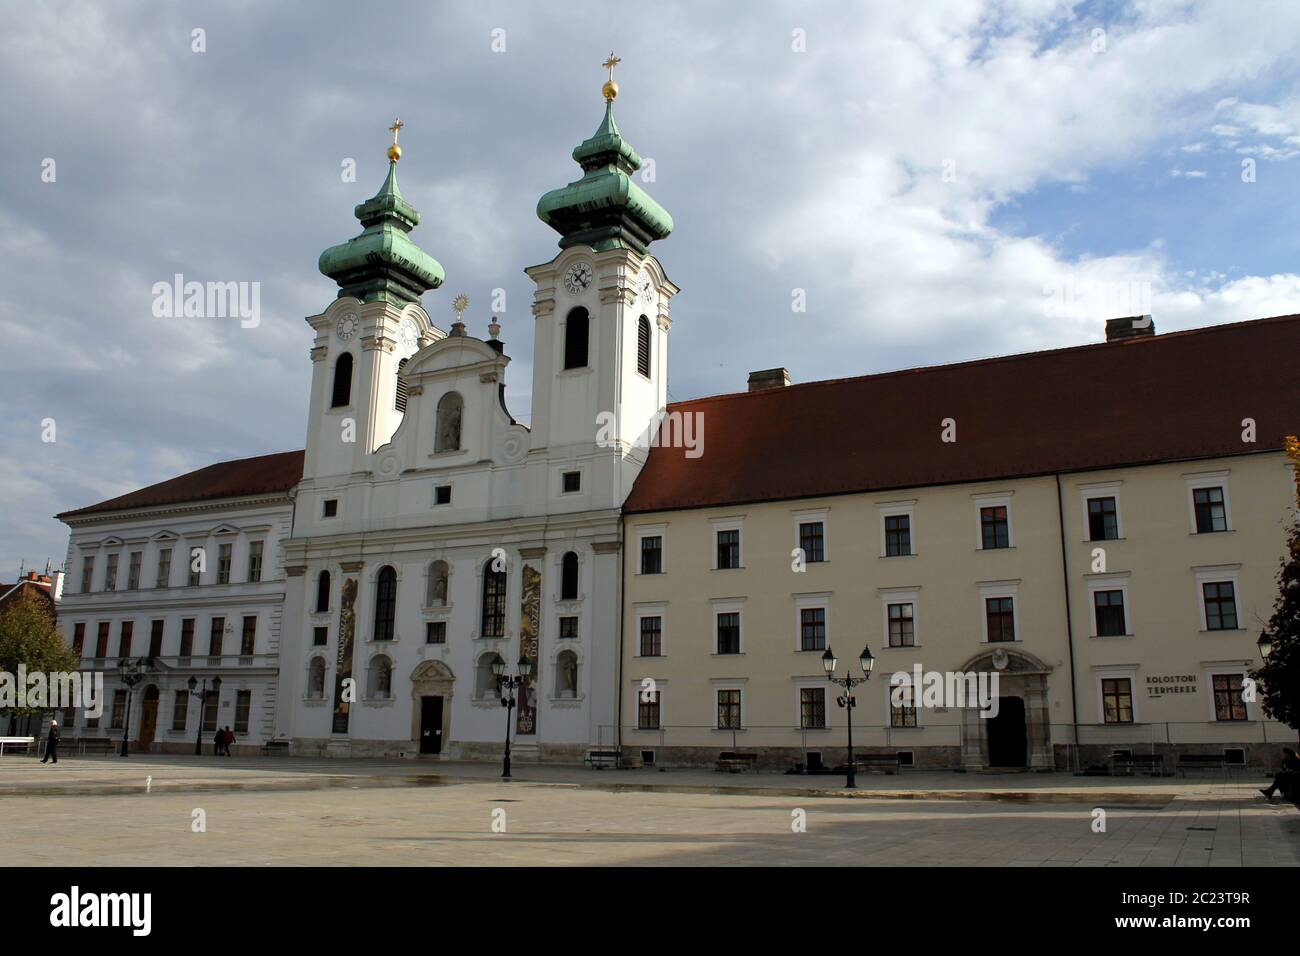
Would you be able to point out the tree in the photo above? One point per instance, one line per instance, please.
(29, 635)
(1279, 677)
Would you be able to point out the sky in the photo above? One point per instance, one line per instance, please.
(856, 187)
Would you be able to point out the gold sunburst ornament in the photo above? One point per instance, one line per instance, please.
(460, 304)
(395, 151)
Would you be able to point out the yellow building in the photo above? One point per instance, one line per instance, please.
(1098, 527)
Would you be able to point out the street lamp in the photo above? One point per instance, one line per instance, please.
(131, 671)
(508, 685)
(848, 682)
(203, 700)
(1265, 645)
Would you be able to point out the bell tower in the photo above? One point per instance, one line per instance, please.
(603, 313)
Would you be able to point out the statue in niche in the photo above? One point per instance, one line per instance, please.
(569, 676)
(450, 407)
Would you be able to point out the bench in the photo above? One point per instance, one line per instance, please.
(95, 745)
(600, 759)
(24, 742)
(890, 763)
(1203, 762)
(1152, 763)
(276, 747)
(729, 761)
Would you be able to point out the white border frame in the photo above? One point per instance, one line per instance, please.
(1208, 479)
(994, 500)
(909, 595)
(1102, 489)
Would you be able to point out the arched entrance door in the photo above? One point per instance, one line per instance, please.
(1020, 734)
(431, 691)
(148, 717)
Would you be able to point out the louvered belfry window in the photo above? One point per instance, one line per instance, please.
(643, 346)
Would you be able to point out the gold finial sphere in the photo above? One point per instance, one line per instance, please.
(394, 153)
(610, 89)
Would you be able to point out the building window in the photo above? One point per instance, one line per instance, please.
(1228, 704)
(164, 568)
(255, 561)
(341, 395)
(320, 636)
(898, 535)
(400, 389)
(216, 633)
(569, 577)
(78, 638)
(110, 574)
(223, 563)
(180, 709)
(330, 508)
(316, 679)
(101, 640)
(647, 710)
(1220, 606)
(248, 640)
(196, 556)
(652, 636)
(493, 623)
(156, 638)
(729, 633)
(729, 549)
(211, 702)
(450, 410)
(380, 678)
(187, 637)
(385, 603)
(1109, 606)
(812, 629)
(1211, 512)
(87, 574)
(1000, 615)
(243, 705)
(322, 592)
(133, 570)
(124, 641)
(902, 706)
(435, 632)
(812, 541)
(1103, 519)
(995, 529)
(643, 346)
(652, 554)
(442, 495)
(575, 339)
(568, 628)
(902, 631)
(1117, 700)
(439, 577)
(729, 710)
(571, 482)
(812, 708)
(119, 710)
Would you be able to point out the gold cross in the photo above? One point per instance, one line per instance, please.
(395, 129)
(609, 64)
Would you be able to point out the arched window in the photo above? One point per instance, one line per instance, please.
(447, 437)
(399, 397)
(342, 394)
(575, 338)
(437, 592)
(379, 682)
(494, 602)
(485, 682)
(385, 603)
(643, 346)
(566, 674)
(316, 679)
(323, 592)
(569, 577)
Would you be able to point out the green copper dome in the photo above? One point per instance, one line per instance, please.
(383, 263)
(605, 209)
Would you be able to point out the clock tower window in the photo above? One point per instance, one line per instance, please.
(342, 392)
(399, 396)
(575, 339)
(643, 346)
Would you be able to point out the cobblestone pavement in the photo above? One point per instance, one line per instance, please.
(375, 812)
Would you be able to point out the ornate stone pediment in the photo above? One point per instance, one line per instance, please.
(1016, 662)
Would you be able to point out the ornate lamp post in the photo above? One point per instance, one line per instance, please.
(131, 670)
(848, 682)
(509, 685)
(1265, 645)
(203, 700)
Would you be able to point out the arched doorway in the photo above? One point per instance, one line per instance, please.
(148, 718)
(1019, 735)
(432, 684)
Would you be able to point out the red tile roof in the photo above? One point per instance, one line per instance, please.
(1168, 397)
(265, 474)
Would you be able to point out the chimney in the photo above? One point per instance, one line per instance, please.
(767, 378)
(1129, 327)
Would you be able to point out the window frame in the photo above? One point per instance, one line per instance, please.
(1000, 589)
(1201, 481)
(897, 509)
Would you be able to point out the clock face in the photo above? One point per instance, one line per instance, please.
(409, 333)
(578, 278)
(347, 326)
(645, 288)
